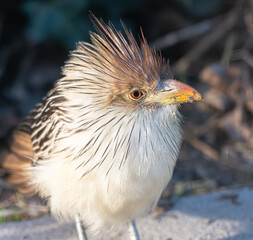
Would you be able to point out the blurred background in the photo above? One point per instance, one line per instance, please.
(209, 45)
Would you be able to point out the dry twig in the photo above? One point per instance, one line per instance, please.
(201, 146)
(173, 38)
(208, 41)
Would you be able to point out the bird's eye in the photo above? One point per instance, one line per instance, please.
(136, 94)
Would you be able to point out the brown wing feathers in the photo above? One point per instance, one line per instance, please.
(17, 157)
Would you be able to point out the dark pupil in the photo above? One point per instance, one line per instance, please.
(136, 94)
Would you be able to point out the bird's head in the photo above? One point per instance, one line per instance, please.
(120, 100)
(115, 71)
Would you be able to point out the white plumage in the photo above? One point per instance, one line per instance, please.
(124, 172)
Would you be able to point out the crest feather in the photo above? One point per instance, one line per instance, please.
(142, 61)
(116, 61)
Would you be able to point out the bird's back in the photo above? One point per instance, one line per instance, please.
(30, 142)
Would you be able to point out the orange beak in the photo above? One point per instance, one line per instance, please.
(172, 92)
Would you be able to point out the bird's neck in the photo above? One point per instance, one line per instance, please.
(112, 140)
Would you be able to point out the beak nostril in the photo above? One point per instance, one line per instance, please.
(190, 99)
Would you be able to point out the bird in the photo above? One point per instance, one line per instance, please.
(101, 146)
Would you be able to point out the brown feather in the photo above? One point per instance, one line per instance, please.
(18, 157)
(115, 61)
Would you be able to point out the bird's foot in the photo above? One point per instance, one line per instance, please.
(80, 230)
(133, 231)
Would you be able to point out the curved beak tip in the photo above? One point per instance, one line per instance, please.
(189, 95)
(195, 97)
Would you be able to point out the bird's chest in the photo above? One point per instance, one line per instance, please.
(129, 164)
(134, 188)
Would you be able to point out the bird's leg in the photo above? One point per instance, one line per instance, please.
(80, 230)
(133, 231)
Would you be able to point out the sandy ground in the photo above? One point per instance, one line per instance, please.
(226, 215)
